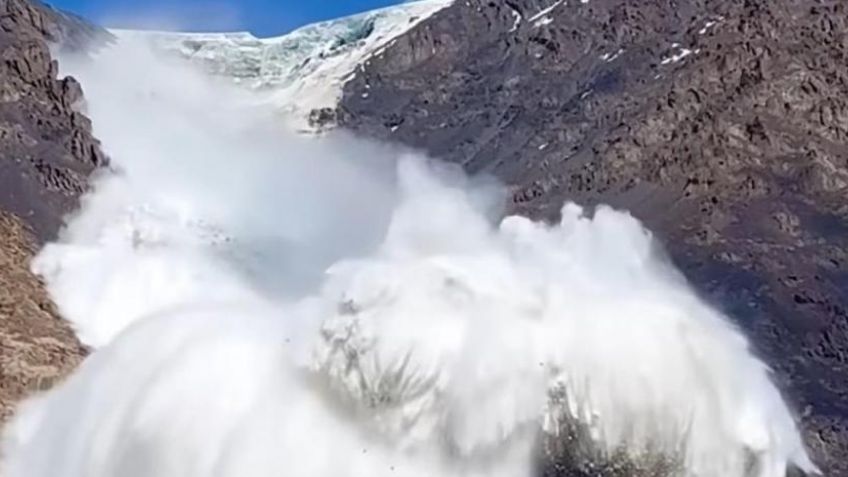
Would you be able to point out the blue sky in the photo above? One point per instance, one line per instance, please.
(262, 17)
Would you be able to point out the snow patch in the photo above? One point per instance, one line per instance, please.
(543, 22)
(543, 13)
(680, 55)
(609, 57)
(518, 18)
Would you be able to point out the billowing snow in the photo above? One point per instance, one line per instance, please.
(304, 70)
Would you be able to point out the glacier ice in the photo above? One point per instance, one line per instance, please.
(302, 71)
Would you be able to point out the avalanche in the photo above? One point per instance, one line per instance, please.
(262, 303)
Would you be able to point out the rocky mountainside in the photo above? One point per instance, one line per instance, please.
(47, 152)
(721, 124)
(47, 147)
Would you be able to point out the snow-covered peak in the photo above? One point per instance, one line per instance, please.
(302, 71)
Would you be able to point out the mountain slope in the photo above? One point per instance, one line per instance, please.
(720, 124)
(48, 149)
(47, 152)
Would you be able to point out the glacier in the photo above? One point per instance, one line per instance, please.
(300, 74)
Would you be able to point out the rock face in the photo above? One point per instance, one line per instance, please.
(46, 154)
(721, 124)
(36, 348)
(47, 150)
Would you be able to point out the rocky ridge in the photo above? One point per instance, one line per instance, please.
(47, 152)
(47, 146)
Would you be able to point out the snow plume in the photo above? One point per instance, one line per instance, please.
(265, 305)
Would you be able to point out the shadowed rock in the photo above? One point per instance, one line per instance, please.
(47, 149)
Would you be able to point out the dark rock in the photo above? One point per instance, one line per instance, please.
(722, 124)
(47, 150)
(46, 154)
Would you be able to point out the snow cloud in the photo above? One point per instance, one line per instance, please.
(265, 304)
